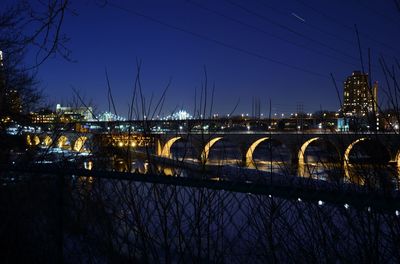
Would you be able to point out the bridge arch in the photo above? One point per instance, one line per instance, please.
(302, 168)
(397, 160)
(79, 144)
(206, 151)
(62, 142)
(47, 141)
(166, 150)
(251, 149)
(303, 148)
(375, 173)
(32, 140)
(346, 157)
(397, 167)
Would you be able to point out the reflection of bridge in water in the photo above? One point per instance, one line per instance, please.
(337, 152)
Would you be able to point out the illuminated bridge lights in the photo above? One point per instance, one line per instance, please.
(126, 140)
(32, 140)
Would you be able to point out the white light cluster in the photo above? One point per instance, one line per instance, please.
(180, 115)
(108, 116)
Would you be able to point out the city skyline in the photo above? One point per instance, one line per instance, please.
(278, 52)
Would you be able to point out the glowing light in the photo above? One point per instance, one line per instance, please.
(80, 144)
(180, 115)
(206, 151)
(28, 140)
(347, 160)
(62, 142)
(108, 116)
(300, 155)
(47, 141)
(166, 150)
(249, 153)
(88, 165)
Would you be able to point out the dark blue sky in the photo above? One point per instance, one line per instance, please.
(250, 48)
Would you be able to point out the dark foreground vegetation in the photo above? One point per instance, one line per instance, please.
(49, 218)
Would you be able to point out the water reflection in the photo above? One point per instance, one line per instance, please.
(88, 165)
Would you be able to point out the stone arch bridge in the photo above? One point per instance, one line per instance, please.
(387, 144)
(383, 147)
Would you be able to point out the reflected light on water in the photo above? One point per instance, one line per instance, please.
(88, 165)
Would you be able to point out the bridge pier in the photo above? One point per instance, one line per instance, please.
(294, 162)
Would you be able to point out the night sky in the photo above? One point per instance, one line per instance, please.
(283, 51)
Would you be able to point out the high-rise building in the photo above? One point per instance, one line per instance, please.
(13, 102)
(358, 98)
(10, 99)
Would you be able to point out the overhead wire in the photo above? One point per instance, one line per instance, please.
(255, 28)
(343, 25)
(218, 42)
(289, 14)
(376, 11)
(289, 29)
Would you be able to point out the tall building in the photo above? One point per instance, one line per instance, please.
(358, 98)
(43, 116)
(10, 99)
(13, 102)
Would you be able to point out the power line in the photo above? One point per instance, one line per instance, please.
(338, 37)
(376, 11)
(397, 4)
(350, 28)
(267, 33)
(218, 42)
(289, 29)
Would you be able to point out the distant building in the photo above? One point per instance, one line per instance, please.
(10, 99)
(180, 115)
(107, 116)
(358, 98)
(71, 114)
(13, 101)
(43, 116)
